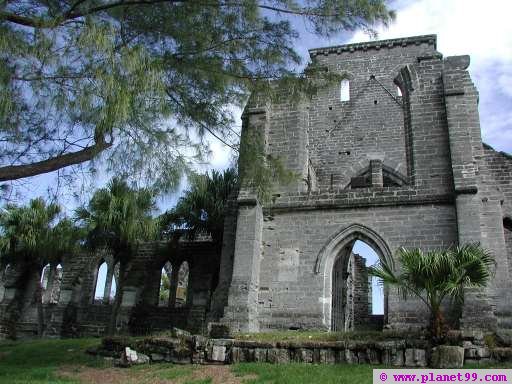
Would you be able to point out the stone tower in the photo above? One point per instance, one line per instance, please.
(391, 156)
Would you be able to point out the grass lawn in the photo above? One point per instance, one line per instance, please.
(36, 361)
(65, 362)
(305, 374)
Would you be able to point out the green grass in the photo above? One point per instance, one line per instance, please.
(172, 372)
(36, 361)
(305, 374)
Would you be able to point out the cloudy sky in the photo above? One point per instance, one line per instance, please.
(481, 30)
(463, 27)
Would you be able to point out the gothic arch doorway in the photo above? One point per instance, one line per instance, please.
(346, 295)
(358, 299)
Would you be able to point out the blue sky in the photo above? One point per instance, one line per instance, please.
(471, 27)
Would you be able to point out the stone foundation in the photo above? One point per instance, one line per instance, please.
(189, 349)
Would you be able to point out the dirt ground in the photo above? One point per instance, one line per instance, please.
(219, 374)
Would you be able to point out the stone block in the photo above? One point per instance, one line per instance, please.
(327, 356)
(260, 355)
(236, 355)
(157, 357)
(350, 356)
(415, 357)
(217, 354)
(447, 356)
(373, 356)
(397, 357)
(303, 355)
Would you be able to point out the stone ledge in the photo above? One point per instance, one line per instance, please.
(347, 202)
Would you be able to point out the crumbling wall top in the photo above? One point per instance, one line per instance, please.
(390, 43)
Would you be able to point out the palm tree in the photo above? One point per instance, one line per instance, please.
(436, 275)
(202, 208)
(118, 217)
(32, 236)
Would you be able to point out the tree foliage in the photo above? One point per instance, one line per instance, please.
(436, 275)
(202, 208)
(140, 82)
(118, 218)
(32, 236)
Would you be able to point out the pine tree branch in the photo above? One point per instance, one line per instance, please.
(71, 14)
(14, 172)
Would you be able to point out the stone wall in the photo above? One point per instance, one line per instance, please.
(388, 351)
(78, 313)
(391, 170)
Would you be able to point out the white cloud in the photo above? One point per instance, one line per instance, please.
(463, 27)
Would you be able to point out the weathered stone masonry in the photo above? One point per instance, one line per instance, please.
(78, 313)
(390, 168)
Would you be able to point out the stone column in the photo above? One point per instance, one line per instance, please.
(173, 285)
(108, 284)
(466, 153)
(241, 313)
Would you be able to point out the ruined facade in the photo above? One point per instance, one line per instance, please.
(78, 298)
(392, 156)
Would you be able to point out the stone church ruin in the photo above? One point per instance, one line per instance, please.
(391, 156)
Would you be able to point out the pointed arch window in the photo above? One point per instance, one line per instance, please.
(101, 281)
(166, 279)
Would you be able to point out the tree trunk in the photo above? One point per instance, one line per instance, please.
(437, 325)
(39, 304)
(117, 301)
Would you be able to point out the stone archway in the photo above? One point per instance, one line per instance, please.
(334, 258)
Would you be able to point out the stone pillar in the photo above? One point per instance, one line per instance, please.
(173, 285)
(466, 152)
(360, 292)
(376, 178)
(108, 284)
(241, 312)
(220, 295)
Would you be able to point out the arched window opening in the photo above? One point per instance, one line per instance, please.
(45, 275)
(182, 288)
(114, 283)
(357, 298)
(398, 91)
(345, 90)
(57, 282)
(165, 285)
(101, 280)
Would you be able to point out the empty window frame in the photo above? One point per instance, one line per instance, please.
(345, 90)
